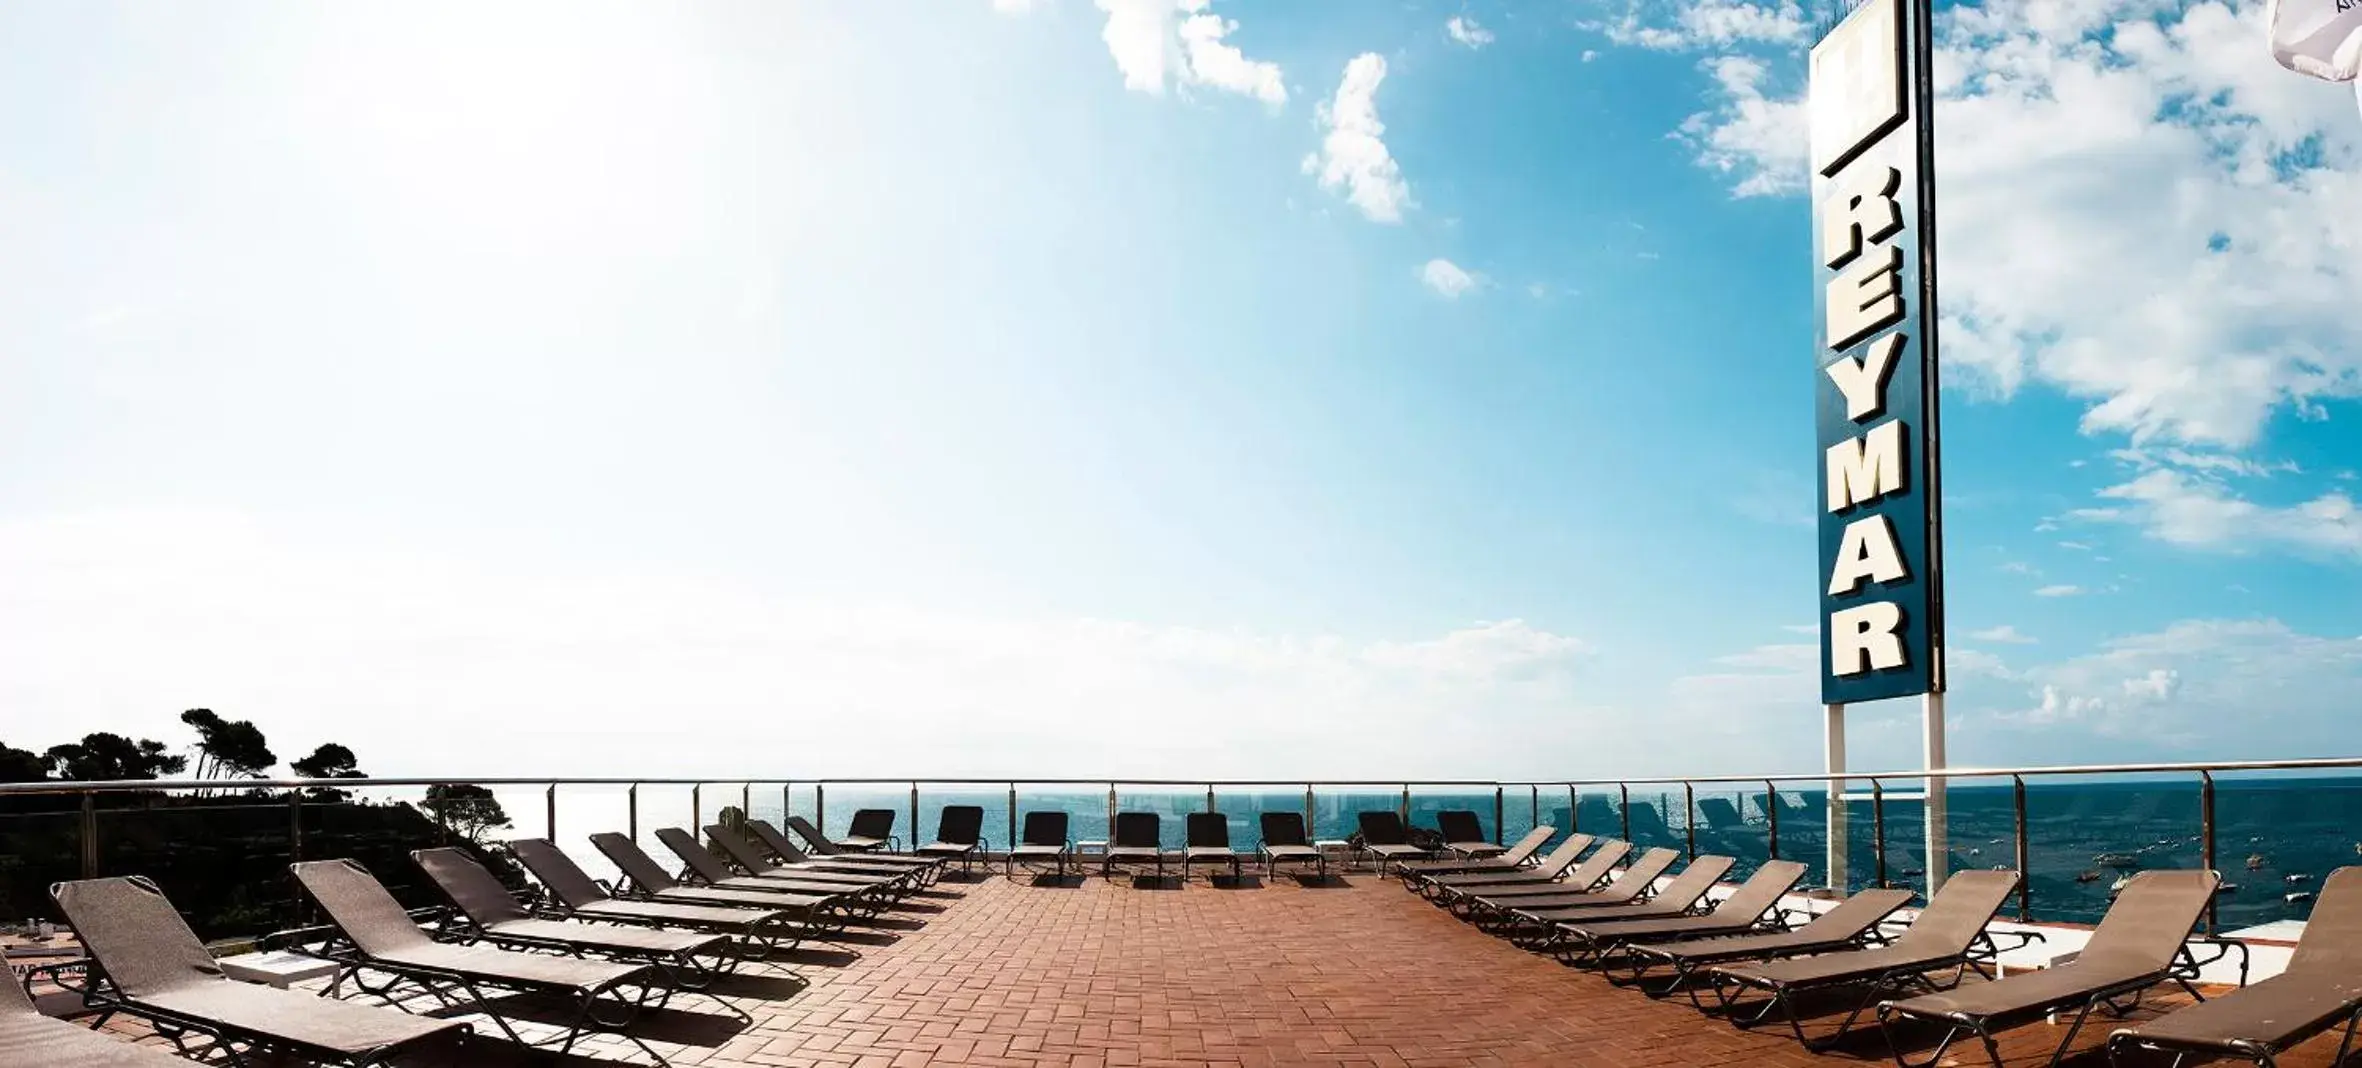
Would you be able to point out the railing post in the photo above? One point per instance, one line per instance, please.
(295, 900)
(787, 804)
(1574, 809)
(746, 800)
(1209, 797)
(820, 807)
(1311, 828)
(1534, 804)
(2206, 836)
(1878, 827)
(1111, 815)
(631, 801)
(1689, 818)
(696, 808)
(550, 803)
(1624, 809)
(1771, 811)
(1012, 815)
(914, 816)
(2017, 793)
(1497, 814)
(89, 835)
(1405, 809)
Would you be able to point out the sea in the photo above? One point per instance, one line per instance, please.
(2276, 837)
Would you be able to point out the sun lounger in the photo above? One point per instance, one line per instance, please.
(36, 1041)
(2141, 941)
(1138, 839)
(645, 878)
(699, 867)
(1948, 934)
(911, 873)
(1284, 842)
(1209, 843)
(1518, 857)
(2321, 989)
(1853, 923)
(1490, 908)
(1556, 874)
(1463, 834)
(1683, 895)
(959, 835)
(574, 894)
(871, 829)
(1434, 879)
(1597, 942)
(1043, 841)
(753, 860)
(1384, 837)
(823, 849)
(151, 965)
(494, 916)
(374, 934)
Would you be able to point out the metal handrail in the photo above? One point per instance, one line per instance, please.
(1756, 778)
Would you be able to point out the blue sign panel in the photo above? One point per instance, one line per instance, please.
(1874, 374)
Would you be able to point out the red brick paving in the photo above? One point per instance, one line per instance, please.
(1107, 975)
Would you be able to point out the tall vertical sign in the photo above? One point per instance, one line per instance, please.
(1874, 375)
(1871, 105)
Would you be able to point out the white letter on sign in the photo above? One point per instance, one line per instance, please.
(1866, 632)
(1866, 468)
(1863, 211)
(1863, 381)
(1866, 552)
(1866, 296)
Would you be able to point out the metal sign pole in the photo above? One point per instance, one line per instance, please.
(1938, 850)
(1833, 741)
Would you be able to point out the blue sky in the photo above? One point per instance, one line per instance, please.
(1412, 389)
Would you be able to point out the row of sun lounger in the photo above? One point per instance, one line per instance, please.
(606, 953)
(1745, 950)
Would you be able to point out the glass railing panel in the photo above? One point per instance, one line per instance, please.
(1085, 809)
(993, 798)
(1244, 806)
(40, 844)
(1644, 810)
(1427, 802)
(1801, 812)
(843, 800)
(2277, 836)
(1336, 810)
(1171, 807)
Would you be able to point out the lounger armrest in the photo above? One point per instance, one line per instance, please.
(2024, 939)
(76, 976)
(2223, 947)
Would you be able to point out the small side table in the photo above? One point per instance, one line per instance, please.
(1337, 851)
(1089, 846)
(280, 969)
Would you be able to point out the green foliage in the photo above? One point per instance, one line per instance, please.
(329, 761)
(103, 757)
(228, 748)
(465, 809)
(18, 765)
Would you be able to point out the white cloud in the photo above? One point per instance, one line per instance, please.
(2196, 685)
(2061, 590)
(2004, 634)
(1447, 278)
(2183, 509)
(120, 621)
(1466, 31)
(2138, 209)
(1708, 23)
(1015, 7)
(2076, 546)
(1180, 42)
(1755, 138)
(1353, 156)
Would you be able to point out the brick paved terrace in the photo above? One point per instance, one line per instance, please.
(1356, 972)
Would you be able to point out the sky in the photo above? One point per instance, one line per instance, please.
(1163, 388)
